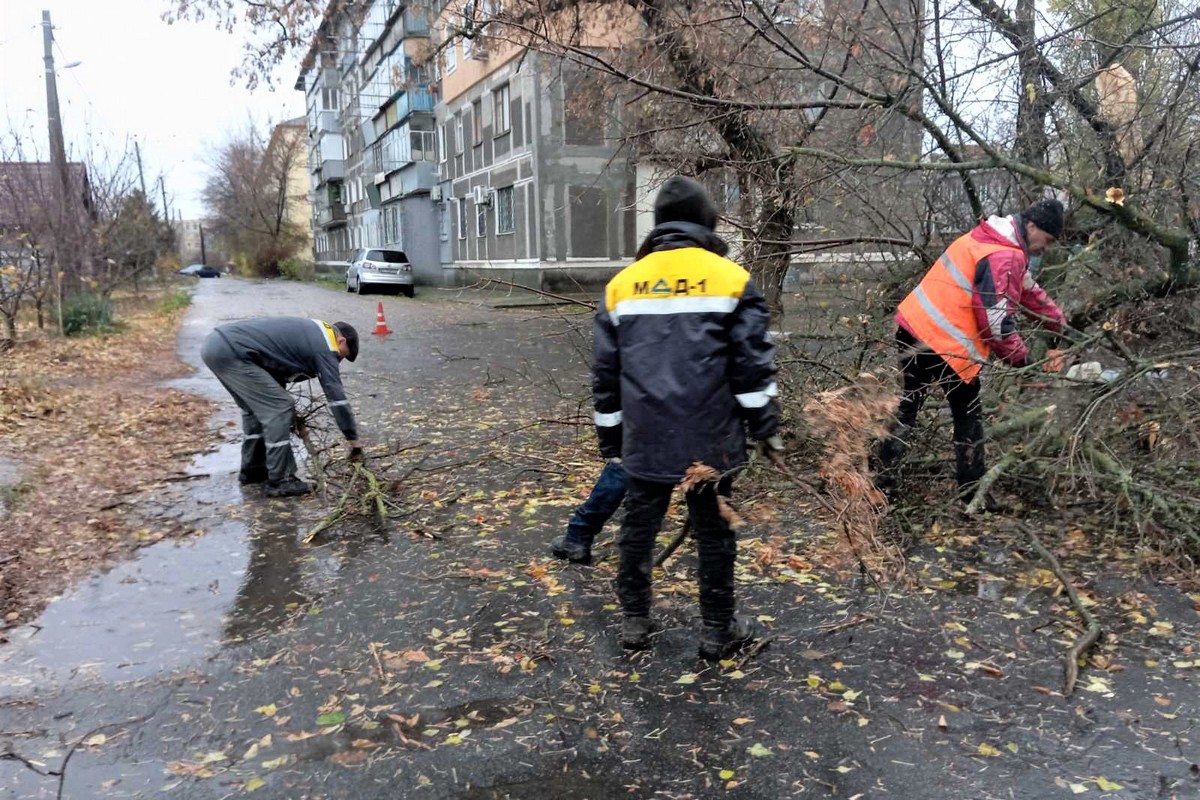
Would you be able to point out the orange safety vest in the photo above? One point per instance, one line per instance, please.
(941, 313)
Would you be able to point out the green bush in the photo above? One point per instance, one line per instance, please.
(180, 298)
(295, 269)
(88, 313)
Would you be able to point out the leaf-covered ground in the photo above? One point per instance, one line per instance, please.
(452, 658)
(90, 428)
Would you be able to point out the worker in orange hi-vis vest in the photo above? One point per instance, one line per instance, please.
(960, 313)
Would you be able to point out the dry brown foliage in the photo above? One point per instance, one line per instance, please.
(89, 426)
(696, 477)
(847, 421)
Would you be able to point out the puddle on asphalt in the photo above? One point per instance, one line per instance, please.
(173, 602)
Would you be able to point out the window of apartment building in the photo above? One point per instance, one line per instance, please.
(460, 140)
(505, 218)
(329, 100)
(462, 217)
(421, 145)
(441, 143)
(468, 47)
(480, 220)
(477, 122)
(451, 56)
(500, 111)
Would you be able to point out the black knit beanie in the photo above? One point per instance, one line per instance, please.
(683, 200)
(1047, 215)
(347, 332)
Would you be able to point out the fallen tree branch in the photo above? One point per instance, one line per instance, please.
(673, 545)
(1092, 631)
(374, 497)
(552, 295)
(979, 499)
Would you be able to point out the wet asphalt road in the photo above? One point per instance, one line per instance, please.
(241, 663)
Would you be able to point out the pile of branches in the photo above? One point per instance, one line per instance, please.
(1119, 440)
(359, 491)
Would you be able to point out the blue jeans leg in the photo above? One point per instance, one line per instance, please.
(606, 497)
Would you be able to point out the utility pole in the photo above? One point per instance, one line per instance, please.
(141, 178)
(163, 187)
(203, 255)
(58, 158)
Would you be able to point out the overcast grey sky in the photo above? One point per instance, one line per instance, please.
(168, 85)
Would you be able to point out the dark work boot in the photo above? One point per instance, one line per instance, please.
(251, 475)
(969, 469)
(716, 644)
(288, 487)
(567, 550)
(887, 457)
(635, 633)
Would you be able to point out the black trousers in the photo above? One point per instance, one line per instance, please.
(923, 370)
(645, 506)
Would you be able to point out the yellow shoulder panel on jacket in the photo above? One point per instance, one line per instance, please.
(686, 272)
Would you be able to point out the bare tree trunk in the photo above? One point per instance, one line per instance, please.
(1032, 106)
(768, 256)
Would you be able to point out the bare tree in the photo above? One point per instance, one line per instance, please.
(45, 239)
(247, 198)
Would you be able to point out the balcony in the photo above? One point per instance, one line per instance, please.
(331, 169)
(330, 215)
(414, 100)
(400, 147)
(326, 122)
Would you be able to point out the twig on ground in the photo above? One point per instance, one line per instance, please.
(181, 478)
(12, 755)
(62, 770)
(834, 627)
(1090, 634)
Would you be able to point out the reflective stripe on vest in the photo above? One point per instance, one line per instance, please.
(941, 310)
(328, 332)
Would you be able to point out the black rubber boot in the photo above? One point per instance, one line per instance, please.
(567, 550)
(716, 644)
(289, 487)
(635, 633)
(969, 468)
(887, 458)
(252, 475)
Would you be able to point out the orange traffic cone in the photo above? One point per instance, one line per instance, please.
(381, 328)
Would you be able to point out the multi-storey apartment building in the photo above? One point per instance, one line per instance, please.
(531, 184)
(475, 167)
(370, 124)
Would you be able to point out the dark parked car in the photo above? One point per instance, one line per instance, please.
(208, 272)
(199, 271)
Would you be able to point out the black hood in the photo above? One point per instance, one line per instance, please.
(676, 235)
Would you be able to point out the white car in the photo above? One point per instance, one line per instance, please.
(376, 268)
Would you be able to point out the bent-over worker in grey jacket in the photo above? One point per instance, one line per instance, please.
(254, 360)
